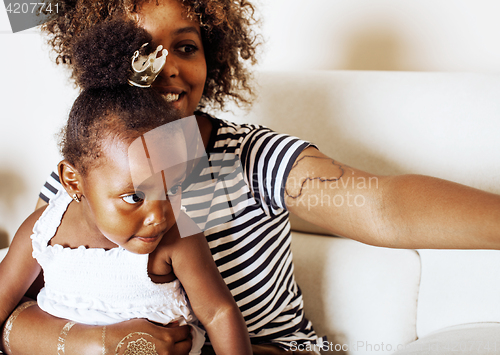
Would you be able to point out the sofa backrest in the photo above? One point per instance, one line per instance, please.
(440, 124)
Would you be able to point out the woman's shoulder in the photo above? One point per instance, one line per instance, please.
(230, 137)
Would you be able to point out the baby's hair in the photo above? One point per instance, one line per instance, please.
(227, 33)
(108, 106)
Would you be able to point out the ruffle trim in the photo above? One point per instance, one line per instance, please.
(95, 311)
(137, 294)
(46, 226)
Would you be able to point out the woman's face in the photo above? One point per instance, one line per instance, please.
(182, 80)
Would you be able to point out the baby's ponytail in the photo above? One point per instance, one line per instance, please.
(108, 106)
(102, 55)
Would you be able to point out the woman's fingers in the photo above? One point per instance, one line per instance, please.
(182, 347)
(177, 333)
(177, 340)
(144, 337)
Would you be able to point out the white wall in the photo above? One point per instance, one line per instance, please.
(35, 98)
(423, 35)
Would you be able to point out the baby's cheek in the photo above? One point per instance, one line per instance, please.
(119, 229)
(175, 202)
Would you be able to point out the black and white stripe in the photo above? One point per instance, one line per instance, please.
(237, 198)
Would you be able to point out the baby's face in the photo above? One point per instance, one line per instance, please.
(129, 206)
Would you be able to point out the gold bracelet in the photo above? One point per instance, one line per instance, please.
(61, 341)
(139, 346)
(104, 340)
(10, 322)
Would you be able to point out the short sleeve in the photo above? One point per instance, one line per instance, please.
(51, 187)
(267, 158)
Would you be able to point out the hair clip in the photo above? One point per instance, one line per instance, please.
(145, 69)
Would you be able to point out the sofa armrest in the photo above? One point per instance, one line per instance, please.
(355, 294)
(458, 287)
(471, 339)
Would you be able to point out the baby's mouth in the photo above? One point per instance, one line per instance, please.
(150, 239)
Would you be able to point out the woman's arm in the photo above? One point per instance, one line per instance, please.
(408, 211)
(40, 203)
(208, 294)
(36, 332)
(18, 270)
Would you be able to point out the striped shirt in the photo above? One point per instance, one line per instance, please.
(238, 201)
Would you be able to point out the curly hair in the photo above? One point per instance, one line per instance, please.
(108, 106)
(227, 34)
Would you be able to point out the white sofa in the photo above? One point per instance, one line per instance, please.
(370, 300)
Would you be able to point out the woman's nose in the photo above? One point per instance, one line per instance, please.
(170, 70)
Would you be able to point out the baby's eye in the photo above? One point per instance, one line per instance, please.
(134, 198)
(174, 190)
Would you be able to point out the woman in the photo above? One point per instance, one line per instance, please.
(209, 41)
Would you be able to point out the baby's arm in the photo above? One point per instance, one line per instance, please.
(208, 294)
(18, 269)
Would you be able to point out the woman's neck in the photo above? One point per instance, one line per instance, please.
(205, 127)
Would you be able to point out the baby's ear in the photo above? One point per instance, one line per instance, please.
(70, 178)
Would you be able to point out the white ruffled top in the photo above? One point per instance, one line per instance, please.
(97, 286)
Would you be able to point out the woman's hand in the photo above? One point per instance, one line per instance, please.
(138, 335)
(36, 332)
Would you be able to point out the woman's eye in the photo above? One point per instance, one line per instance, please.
(134, 198)
(187, 48)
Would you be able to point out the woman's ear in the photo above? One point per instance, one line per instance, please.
(71, 179)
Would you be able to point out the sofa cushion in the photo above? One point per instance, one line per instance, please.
(457, 287)
(300, 225)
(470, 339)
(355, 294)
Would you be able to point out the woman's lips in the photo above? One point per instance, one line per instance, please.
(172, 94)
(177, 101)
(164, 90)
(171, 97)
